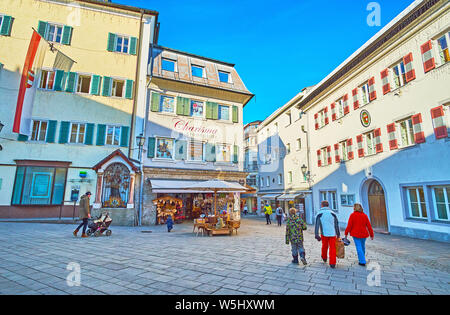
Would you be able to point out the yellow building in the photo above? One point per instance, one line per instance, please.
(81, 119)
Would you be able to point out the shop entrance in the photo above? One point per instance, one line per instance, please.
(377, 207)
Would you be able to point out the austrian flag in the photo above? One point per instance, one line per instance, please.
(27, 88)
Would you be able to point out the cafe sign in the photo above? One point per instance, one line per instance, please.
(188, 127)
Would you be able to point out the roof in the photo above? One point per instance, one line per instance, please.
(118, 152)
(121, 6)
(194, 55)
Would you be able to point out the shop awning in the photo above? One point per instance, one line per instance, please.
(289, 196)
(182, 186)
(270, 196)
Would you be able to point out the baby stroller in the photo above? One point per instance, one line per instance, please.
(100, 225)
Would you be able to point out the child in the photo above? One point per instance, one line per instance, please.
(294, 235)
(169, 223)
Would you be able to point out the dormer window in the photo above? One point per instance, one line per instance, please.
(197, 71)
(169, 65)
(224, 77)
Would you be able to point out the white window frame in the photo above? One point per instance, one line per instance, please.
(199, 67)
(289, 116)
(333, 204)
(229, 146)
(401, 77)
(409, 133)
(161, 102)
(38, 135)
(439, 61)
(191, 111)
(373, 149)
(446, 108)
(219, 112)
(1, 20)
(114, 90)
(299, 144)
(362, 88)
(56, 26)
(229, 76)
(116, 42)
(288, 148)
(190, 150)
(290, 177)
(322, 116)
(77, 141)
(268, 181)
(446, 199)
(343, 151)
(261, 181)
(48, 73)
(408, 199)
(324, 156)
(175, 66)
(114, 127)
(79, 76)
(340, 108)
(172, 153)
(280, 179)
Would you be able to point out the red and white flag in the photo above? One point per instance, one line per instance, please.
(28, 84)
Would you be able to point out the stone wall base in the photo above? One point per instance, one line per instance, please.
(120, 216)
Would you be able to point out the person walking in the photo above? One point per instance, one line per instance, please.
(245, 209)
(328, 224)
(360, 229)
(268, 212)
(84, 214)
(294, 235)
(279, 214)
(169, 223)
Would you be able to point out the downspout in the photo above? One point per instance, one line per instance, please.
(308, 152)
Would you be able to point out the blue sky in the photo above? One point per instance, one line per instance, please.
(278, 46)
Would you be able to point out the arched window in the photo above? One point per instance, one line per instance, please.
(116, 186)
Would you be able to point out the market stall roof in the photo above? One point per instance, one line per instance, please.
(270, 196)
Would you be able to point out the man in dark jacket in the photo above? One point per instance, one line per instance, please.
(84, 213)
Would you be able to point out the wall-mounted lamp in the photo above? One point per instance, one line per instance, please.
(305, 172)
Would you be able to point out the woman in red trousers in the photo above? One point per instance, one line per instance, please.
(359, 228)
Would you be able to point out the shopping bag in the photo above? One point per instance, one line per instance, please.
(340, 248)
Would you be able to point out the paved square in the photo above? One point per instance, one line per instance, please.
(34, 260)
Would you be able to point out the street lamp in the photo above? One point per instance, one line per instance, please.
(305, 172)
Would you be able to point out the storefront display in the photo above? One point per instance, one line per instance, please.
(166, 206)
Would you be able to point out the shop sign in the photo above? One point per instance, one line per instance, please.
(188, 127)
(365, 118)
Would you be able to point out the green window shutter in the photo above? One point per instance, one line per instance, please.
(151, 147)
(209, 110)
(235, 114)
(67, 35)
(210, 152)
(106, 86)
(215, 111)
(71, 82)
(89, 138)
(51, 132)
(42, 28)
(22, 137)
(6, 25)
(111, 41)
(95, 85)
(101, 133)
(64, 132)
(133, 45)
(236, 154)
(187, 107)
(183, 107)
(155, 102)
(124, 136)
(180, 150)
(59, 80)
(129, 89)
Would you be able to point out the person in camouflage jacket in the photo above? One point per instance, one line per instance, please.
(294, 235)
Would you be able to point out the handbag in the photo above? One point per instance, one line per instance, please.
(340, 248)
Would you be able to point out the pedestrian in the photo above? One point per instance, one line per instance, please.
(268, 212)
(279, 214)
(245, 209)
(360, 229)
(294, 235)
(169, 223)
(84, 214)
(327, 222)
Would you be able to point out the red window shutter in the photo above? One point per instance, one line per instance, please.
(336, 152)
(410, 72)
(319, 160)
(378, 144)
(355, 99)
(359, 140)
(393, 142)
(333, 111)
(440, 128)
(419, 135)
(427, 56)
(316, 116)
(350, 149)
(372, 92)
(385, 81)
(327, 120)
(346, 107)
(330, 161)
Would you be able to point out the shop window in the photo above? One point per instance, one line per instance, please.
(168, 65)
(47, 80)
(197, 71)
(84, 83)
(167, 104)
(39, 131)
(197, 109)
(164, 148)
(406, 132)
(441, 201)
(77, 133)
(39, 186)
(113, 135)
(416, 203)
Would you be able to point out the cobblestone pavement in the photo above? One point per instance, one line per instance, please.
(34, 259)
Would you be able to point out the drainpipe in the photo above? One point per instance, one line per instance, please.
(308, 152)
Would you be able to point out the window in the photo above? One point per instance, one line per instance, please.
(39, 131)
(288, 148)
(347, 200)
(406, 133)
(224, 77)
(299, 144)
(261, 181)
(77, 133)
(441, 200)
(322, 116)
(167, 104)
(340, 108)
(324, 156)
(365, 99)
(268, 181)
(344, 150)
(290, 177)
(84, 84)
(195, 150)
(197, 71)
(122, 44)
(168, 65)
(370, 143)
(416, 202)
(47, 79)
(1, 21)
(398, 75)
(331, 197)
(113, 135)
(54, 33)
(224, 112)
(39, 185)
(280, 179)
(276, 128)
(289, 117)
(223, 153)
(118, 87)
(196, 109)
(164, 148)
(443, 41)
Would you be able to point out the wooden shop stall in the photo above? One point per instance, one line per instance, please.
(168, 205)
